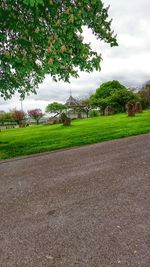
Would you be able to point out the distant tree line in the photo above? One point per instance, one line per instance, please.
(110, 98)
(19, 117)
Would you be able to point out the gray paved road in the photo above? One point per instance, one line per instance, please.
(85, 207)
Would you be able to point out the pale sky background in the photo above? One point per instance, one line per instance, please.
(129, 63)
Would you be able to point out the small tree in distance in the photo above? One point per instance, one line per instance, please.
(19, 117)
(56, 108)
(36, 114)
(85, 106)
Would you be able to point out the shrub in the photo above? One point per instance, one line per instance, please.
(93, 113)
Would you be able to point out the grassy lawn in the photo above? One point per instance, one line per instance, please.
(25, 141)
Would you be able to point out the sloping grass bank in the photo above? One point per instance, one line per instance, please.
(30, 140)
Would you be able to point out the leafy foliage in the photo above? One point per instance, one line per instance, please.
(113, 94)
(35, 114)
(55, 108)
(40, 37)
(106, 89)
(120, 97)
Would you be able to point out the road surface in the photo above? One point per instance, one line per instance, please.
(83, 207)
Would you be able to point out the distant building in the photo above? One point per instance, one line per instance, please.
(72, 102)
(74, 108)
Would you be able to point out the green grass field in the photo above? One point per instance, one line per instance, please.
(30, 140)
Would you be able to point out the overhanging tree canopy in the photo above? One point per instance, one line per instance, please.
(40, 37)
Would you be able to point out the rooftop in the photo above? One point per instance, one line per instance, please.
(71, 101)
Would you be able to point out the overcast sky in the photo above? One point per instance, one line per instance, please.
(129, 62)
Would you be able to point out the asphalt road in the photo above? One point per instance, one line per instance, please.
(84, 207)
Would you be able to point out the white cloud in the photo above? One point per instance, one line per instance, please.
(129, 62)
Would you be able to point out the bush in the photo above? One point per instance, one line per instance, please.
(6, 118)
(93, 113)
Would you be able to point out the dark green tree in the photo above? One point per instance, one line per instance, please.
(120, 97)
(40, 37)
(101, 98)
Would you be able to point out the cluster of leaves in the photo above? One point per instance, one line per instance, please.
(40, 37)
(113, 94)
